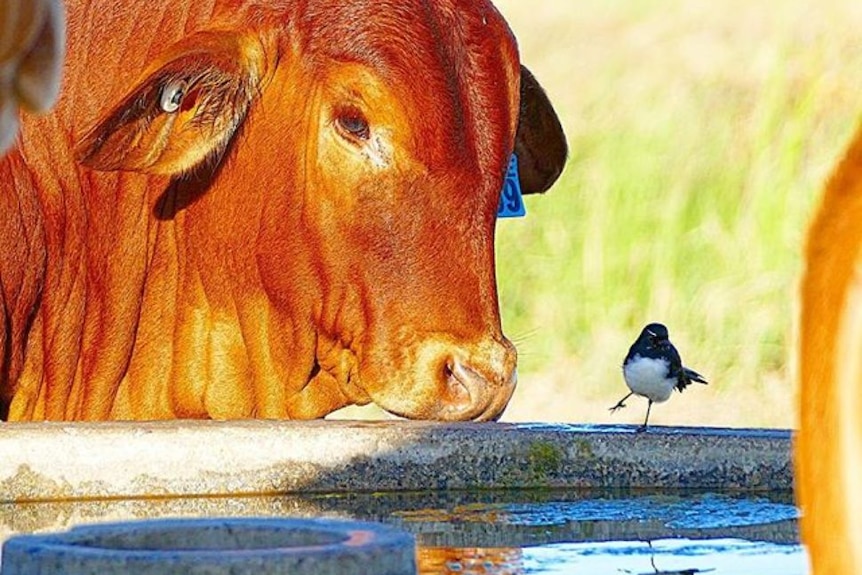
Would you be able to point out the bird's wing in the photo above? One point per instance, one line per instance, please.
(675, 368)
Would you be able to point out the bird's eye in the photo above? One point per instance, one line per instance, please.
(352, 125)
(172, 95)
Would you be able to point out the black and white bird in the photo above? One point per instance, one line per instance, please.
(653, 368)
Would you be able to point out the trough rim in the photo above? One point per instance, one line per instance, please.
(53, 462)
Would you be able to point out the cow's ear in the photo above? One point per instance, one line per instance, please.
(184, 111)
(540, 142)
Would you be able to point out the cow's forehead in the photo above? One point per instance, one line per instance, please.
(353, 25)
(455, 59)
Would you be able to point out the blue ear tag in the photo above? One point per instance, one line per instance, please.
(511, 201)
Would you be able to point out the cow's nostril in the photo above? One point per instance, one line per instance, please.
(469, 392)
(458, 386)
(495, 368)
(465, 374)
(447, 370)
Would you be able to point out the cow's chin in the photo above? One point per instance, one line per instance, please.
(449, 384)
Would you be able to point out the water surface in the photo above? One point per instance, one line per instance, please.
(530, 532)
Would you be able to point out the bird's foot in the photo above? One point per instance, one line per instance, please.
(641, 429)
(617, 407)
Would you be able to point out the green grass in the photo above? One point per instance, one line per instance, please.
(700, 136)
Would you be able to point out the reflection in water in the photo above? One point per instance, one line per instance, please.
(470, 561)
(541, 532)
(674, 556)
(657, 571)
(667, 557)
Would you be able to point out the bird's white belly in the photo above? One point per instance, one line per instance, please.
(648, 377)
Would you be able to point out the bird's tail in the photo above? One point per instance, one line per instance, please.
(686, 378)
(692, 375)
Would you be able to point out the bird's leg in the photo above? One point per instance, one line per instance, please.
(644, 426)
(621, 403)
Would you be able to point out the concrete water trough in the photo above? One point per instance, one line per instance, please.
(51, 461)
(503, 495)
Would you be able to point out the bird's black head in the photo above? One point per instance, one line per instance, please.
(654, 335)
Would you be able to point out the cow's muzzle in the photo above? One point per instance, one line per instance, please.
(448, 380)
(478, 385)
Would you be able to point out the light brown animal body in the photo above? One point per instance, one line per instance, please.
(829, 444)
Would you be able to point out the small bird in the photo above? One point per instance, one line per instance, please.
(653, 368)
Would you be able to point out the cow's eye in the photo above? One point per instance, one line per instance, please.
(353, 125)
(172, 96)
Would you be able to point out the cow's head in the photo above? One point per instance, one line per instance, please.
(362, 148)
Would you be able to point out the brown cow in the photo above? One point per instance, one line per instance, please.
(829, 445)
(273, 209)
(32, 40)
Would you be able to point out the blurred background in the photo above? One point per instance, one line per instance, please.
(701, 134)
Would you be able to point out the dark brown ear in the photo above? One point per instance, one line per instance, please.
(183, 112)
(540, 142)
